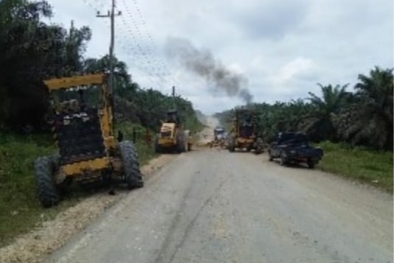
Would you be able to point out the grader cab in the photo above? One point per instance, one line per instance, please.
(219, 134)
(244, 132)
(82, 127)
(172, 137)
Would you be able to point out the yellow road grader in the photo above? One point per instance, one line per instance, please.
(243, 134)
(172, 137)
(89, 153)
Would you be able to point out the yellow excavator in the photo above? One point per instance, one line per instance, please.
(172, 137)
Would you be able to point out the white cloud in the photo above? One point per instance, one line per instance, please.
(299, 67)
(236, 68)
(283, 47)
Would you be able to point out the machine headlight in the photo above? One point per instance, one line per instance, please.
(85, 117)
(66, 121)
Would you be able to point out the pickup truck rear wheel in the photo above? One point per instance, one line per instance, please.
(270, 158)
(311, 164)
(283, 160)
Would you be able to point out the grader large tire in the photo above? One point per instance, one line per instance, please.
(283, 160)
(259, 146)
(157, 146)
(187, 141)
(45, 168)
(231, 147)
(180, 143)
(180, 147)
(231, 144)
(270, 158)
(131, 165)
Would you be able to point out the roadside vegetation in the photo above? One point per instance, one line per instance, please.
(354, 128)
(31, 52)
(19, 206)
(358, 163)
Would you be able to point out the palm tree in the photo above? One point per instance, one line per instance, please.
(75, 47)
(373, 114)
(319, 122)
(26, 44)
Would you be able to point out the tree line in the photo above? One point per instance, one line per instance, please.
(32, 50)
(362, 116)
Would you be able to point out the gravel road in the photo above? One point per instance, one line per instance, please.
(216, 206)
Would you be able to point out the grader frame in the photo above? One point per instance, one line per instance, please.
(84, 134)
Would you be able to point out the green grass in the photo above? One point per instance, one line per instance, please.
(20, 209)
(359, 163)
(145, 152)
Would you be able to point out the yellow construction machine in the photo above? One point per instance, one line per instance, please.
(243, 134)
(219, 140)
(172, 137)
(82, 126)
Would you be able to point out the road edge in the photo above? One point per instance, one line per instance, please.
(42, 241)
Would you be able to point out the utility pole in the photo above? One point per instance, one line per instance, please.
(70, 39)
(111, 14)
(173, 97)
(71, 28)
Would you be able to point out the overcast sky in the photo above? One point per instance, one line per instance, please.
(283, 48)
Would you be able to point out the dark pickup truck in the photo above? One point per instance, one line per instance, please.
(293, 147)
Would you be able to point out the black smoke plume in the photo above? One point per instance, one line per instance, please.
(203, 64)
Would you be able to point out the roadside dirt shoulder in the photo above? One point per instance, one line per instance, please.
(40, 242)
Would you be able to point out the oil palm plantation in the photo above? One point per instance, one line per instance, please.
(319, 122)
(372, 115)
(32, 51)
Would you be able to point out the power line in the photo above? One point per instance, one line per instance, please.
(127, 46)
(160, 65)
(151, 70)
(153, 42)
(148, 70)
(93, 6)
(144, 52)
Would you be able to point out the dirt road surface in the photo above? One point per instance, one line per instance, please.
(207, 134)
(216, 206)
